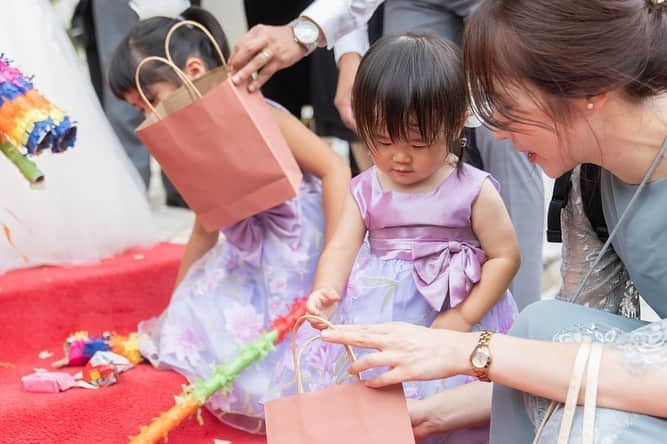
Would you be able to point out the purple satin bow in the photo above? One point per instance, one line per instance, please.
(444, 269)
(283, 221)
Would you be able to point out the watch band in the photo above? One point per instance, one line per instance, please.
(308, 47)
(482, 373)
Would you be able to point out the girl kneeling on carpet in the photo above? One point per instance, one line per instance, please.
(229, 292)
(433, 242)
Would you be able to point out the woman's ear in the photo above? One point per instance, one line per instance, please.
(593, 102)
(194, 67)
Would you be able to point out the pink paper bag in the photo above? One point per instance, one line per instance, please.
(220, 146)
(344, 414)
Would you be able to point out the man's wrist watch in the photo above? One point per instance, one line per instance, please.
(306, 34)
(480, 358)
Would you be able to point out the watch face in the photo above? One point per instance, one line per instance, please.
(480, 358)
(306, 32)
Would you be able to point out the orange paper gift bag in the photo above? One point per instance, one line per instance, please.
(343, 414)
(219, 145)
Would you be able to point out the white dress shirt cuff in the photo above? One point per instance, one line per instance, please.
(355, 41)
(327, 15)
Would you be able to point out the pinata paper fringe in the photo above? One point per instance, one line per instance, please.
(27, 118)
(29, 123)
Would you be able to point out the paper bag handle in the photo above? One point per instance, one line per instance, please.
(184, 78)
(199, 26)
(297, 356)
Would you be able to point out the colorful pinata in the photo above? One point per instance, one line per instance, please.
(29, 123)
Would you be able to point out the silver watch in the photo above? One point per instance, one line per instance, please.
(306, 34)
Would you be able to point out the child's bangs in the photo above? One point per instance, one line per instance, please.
(398, 104)
(411, 87)
(400, 121)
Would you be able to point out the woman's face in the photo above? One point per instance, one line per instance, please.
(539, 139)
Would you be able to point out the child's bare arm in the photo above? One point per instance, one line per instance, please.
(199, 243)
(493, 227)
(337, 259)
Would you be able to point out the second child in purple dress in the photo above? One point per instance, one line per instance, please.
(229, 291)
(423, 238)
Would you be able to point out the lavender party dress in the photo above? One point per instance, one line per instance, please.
(231, 295)
(420, 257)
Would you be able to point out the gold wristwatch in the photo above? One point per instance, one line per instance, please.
(480, 358)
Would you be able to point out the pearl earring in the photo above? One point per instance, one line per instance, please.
(590, 106)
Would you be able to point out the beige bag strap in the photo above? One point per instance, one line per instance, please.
(297, 356)
(184, 78)
(199, 26)
(574, 389)
(553, 407)
(590, 401)
(573, 392)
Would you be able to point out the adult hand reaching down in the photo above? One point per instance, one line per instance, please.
(266, 49)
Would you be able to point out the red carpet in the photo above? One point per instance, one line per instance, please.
(39, 308)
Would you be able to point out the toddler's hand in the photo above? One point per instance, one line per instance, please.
(322, 303)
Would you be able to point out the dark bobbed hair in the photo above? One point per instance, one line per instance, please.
(408, 81)
(147, 38)
(569, 49)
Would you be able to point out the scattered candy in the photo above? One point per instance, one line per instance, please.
(45, 354)
(102, 370)
(80, 347)
(47, 382)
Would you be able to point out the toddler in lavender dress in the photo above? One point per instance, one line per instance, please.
(423, 238)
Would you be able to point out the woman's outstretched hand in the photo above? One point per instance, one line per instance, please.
(412, 353)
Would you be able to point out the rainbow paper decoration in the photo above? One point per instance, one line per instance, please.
(29, 122)
(195, 395)
(80, 347)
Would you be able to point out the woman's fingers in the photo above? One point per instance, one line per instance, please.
(356, 335)
(377, 336)
(391, 377)
(370, 361)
